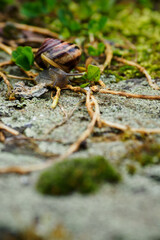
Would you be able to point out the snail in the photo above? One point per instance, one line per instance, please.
(59, 58)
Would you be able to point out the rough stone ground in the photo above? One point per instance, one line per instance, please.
(127, 211)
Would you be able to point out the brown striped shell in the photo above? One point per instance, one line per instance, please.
(66, 55)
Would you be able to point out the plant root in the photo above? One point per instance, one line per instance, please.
(9, 86)
(140, 68)
(56, 97)
(39, 30)
(128, 95)
(8, 129)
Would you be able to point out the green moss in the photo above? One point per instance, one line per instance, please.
(140, 32)
(148, 154)
(131, 169)
(82, 175)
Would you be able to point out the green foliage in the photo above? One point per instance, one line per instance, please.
(92, 75)
(113, 20)
(82, 175)
(97, 25)
(37, 8)
(68, 21)
(96, 51)
(23, 57)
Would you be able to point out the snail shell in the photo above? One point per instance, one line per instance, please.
(60, 54)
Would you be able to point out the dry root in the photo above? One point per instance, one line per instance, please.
(55, 98)
(140, 68)
(9, 86)
(8, 129)
(39, 30)
(129, 95)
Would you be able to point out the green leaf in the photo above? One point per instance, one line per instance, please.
(92, 51)
(96, 51)
(93, 73)
(31, 9)
(37, 8)
(101, 48)
(68, 21)
(84, 85)
(23, 57)
(97, 25)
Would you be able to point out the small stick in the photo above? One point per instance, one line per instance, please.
(29, 40)
(101, 83)
(63, 110)
(133, 130)
(6, 48)
(126, 94)
(140, 68)
(8, 129)
(76, 89)
(56, 97)
(40, 30)
(109, 56)
(30, 74)
(124, 127)
(2, 137)
(99, 122)
(9, 86)
(18, 77)
(88, 104)
(5, 63)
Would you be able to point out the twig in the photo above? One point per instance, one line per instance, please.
(76, 89)
(128, 128)
(30, 74)
(102, 84)
(63, 110)
(8, 129)
(56, 97)
(5, 63)
(126, 94)
(125, 127)
(18, 77)
(6, 48)
(40, 30)
(9, 86)
(29, 40)
(140, 68)
(109, 56)
(2, 137)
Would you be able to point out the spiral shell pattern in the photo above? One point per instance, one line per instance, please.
(64, 54)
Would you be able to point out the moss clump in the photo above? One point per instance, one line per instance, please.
(83, 175)
(140, 32)
(148, 154)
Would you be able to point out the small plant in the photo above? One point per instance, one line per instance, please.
(82, 175)
(92, 75)
(23, 57)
